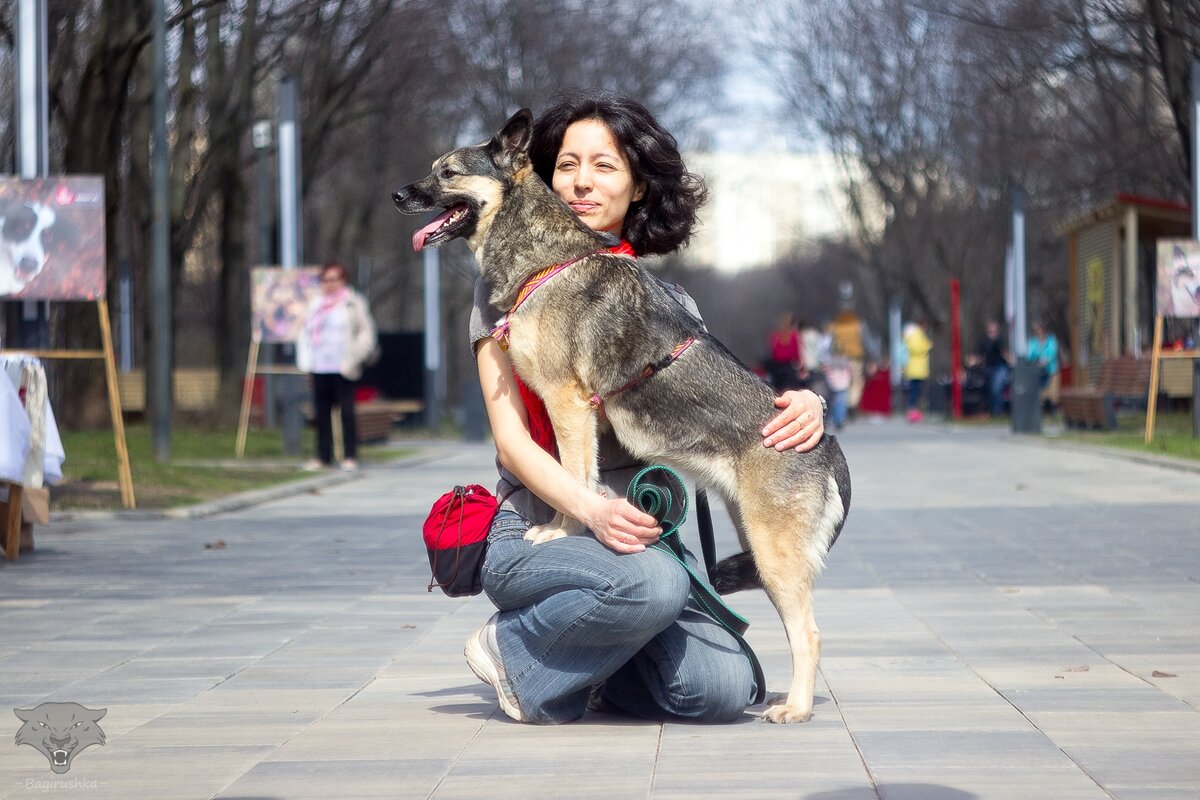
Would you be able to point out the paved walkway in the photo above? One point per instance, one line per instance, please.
(1000, 619)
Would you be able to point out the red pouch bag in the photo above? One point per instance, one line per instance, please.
(455, 534)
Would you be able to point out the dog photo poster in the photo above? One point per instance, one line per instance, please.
(279, 301)
(1178, 278)
(52, 238)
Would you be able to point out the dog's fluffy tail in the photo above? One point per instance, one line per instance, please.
(735, 574)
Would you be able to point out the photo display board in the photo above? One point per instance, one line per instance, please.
(52, 238)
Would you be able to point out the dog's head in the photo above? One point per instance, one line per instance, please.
(469, 184)
(22, 251)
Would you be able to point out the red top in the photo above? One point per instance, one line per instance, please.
(540, 428)
(785, 348)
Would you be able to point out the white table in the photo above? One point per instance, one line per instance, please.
(15, 428)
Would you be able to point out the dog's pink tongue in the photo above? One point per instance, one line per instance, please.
(418, 239)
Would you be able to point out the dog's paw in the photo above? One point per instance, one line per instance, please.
(783, 714)
(540, 534)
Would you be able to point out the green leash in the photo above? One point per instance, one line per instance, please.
(661, 493)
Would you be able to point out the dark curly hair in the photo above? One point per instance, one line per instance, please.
(663, 220)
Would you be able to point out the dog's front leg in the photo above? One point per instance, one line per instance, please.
(575, 428)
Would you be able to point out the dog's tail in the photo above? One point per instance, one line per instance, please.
(735, 574)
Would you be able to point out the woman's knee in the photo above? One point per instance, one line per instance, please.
(717, 696)
(655, 583)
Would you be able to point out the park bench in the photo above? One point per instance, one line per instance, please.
(375, 418)
(193, 389)
(1124, 382)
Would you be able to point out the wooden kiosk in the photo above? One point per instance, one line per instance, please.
(1112, 281)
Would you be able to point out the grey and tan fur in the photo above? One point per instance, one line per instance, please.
(592, 328)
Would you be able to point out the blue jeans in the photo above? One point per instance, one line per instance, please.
(997, 380)
(915, 388)
(575, 614)
(839, 409)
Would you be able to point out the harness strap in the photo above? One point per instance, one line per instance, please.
(597, 400)
(500, 332)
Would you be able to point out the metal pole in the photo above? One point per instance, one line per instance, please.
(895, 370)
(262, 142)
(160, 275)
(291, 252)
(1196, 148)
(33, 141)
(261, 137)
(1196, 225)
(290, 249)
(32, 114)
(955, 352)
(1018, 260)
(125, 318)
(433, 340)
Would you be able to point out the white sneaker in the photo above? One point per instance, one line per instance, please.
(483, 657)
(313, 465)
(349, 465)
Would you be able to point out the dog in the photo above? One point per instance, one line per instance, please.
(22, 251)
(604, 344)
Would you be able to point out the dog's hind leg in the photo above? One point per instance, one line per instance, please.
(793, 600)
(787, 576)
(575, 429)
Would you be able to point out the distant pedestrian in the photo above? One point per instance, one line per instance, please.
(839, 376)
(337, 340)
(993, 352)
(810, 345)
(784, 352)
(1043, 348)
(876, 400)
(847, 332)
(916, 369)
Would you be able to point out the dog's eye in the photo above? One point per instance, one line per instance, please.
(448, 173)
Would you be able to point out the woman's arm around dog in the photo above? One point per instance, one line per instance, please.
(616, 522)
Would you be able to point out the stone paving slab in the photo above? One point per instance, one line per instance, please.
(1000, 620)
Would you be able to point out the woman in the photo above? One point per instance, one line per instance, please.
(601, 611)
(786, 351)
(338, 338)
(916, 368)
(1043, 348)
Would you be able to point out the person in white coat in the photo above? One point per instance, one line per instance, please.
(337, 340)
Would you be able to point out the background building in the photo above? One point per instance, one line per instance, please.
(765, 206)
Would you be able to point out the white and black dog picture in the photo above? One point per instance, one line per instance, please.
(22, 248)
(52, 238)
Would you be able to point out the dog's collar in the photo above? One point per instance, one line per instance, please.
(500, 332)
(597, 400)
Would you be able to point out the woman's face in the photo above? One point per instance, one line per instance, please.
(592, 175)
(331, 281)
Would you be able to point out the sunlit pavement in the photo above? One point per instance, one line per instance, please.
(1001, 619)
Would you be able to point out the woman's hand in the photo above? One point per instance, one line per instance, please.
(800, 425)
(621, 527)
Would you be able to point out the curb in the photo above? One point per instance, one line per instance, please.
(236, 502)
(1166, 462)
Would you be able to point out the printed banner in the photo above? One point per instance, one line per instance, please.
(52, 238)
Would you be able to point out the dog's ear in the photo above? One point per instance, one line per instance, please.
(512, 141)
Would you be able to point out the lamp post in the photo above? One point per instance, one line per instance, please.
(260, 136)
(32, 141)
(160, 275)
